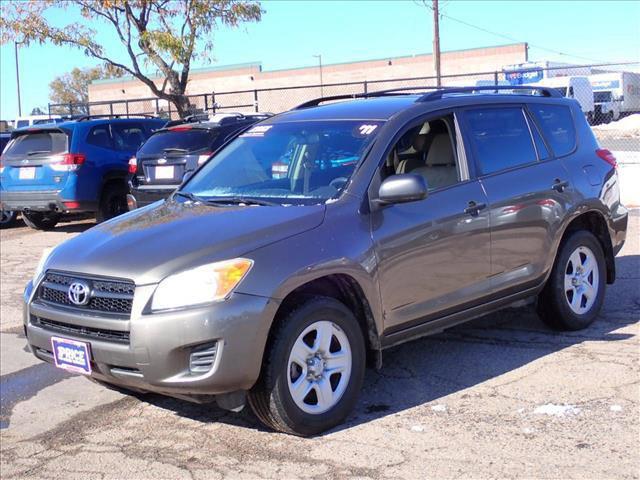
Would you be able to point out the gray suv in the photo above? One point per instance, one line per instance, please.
(326, 234)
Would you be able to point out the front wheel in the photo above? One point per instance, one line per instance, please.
(41, 220)
(313, 369)
(574, 293)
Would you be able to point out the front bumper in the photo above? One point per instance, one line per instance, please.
(42, 201)
(156, 356)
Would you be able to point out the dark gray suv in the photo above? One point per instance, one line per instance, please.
(321, 236)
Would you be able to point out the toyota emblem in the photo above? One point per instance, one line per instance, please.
(79, 293)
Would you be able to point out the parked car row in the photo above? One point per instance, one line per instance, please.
(105, 165)
(317, 238)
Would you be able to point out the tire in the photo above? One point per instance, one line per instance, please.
(41, 220)
(271, 398)
(571, 299)
(8, 218)
(113, 202)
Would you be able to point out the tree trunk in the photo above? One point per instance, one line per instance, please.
(181, 102)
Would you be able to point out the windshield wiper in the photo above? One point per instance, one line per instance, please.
(36, 152)
(245, 200)
(177, 150)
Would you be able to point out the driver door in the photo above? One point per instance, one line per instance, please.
(434, 254)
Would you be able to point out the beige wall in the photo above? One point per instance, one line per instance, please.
(250, 77)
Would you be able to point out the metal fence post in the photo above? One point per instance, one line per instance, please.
(495, 78)
(126, 105)
(70, 108)
(206, 104)
(255, 99)
(366, 87)
(111, 108)
(213, 102)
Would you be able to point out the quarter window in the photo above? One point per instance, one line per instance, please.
(557, 126)
(99, 136)
(501, 138)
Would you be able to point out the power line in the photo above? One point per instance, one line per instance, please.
(539, 47)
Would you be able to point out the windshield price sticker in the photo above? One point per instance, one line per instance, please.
(257, 131)
(367, 129)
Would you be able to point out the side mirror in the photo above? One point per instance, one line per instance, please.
(402, 188)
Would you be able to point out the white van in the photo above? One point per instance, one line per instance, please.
(29, 120)
(573, 87)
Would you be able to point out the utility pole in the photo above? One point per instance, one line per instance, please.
(18, 78)
(319, 57)
(436, 41)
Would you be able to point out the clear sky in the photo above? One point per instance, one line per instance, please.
(291, 32)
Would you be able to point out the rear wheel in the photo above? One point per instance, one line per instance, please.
(41, 220)
(574, 293)
(8, 218)
(313, 369)
(113, 202)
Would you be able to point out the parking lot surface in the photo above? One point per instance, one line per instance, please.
(502, 396)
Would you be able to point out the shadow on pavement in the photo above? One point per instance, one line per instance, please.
(425, 370)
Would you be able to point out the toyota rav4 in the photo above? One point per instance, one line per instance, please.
(324, 235)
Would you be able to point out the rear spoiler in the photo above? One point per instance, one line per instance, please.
(40, 129)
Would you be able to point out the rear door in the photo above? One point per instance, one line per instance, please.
(30, 159)
(526, 187)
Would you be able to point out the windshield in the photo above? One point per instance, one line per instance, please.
(37, 143)
(179, 141)
(291, 163)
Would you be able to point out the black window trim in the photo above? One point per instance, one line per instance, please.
(552, 153)
(377, 179)
(100, 125)
(476, 162)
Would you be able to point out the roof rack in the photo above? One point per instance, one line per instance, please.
(439, 93)
(436, 94)
(83, 118)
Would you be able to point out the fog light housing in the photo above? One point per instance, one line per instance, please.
(202, 358)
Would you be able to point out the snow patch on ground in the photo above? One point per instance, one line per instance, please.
(556, 410)
(625, 126)
(439, 408)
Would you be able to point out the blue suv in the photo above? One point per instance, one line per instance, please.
(75, 166)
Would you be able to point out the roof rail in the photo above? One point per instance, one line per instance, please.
(83, 118)
(317, 101)
(439, 93)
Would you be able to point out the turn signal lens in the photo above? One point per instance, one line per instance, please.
(133, 165)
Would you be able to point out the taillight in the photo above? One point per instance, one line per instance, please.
(133, 165)
(607, 156)
(203, 157)
(1, 165)
(68, 162)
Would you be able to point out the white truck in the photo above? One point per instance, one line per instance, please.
(616, 94)
(575, 87)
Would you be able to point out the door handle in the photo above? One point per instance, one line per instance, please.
(474, 208)
(559, 185)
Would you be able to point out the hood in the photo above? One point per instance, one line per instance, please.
(148, 244)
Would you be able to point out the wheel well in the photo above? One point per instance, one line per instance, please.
(594, 222)
(345, 289)
(111, 182)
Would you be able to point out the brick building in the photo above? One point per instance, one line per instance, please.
(250, 76)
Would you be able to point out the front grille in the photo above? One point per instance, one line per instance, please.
(110, 296)
(79, 331)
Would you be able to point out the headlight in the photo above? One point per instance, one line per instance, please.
(43, 261)
(206, 284)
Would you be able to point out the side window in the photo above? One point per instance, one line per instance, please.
(99, 136)
(541, 148)
(427, 149)
(128, 137)
(557, 126)
(500, 137)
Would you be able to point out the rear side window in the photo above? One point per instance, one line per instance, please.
(501, 138)
(99, 136)
(128, 137)
(40, 143)
(557, 126)
(179, 141)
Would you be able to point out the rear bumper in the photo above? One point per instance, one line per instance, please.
(618, 228)
(147, 194)
(42, 201)
(157, 354)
